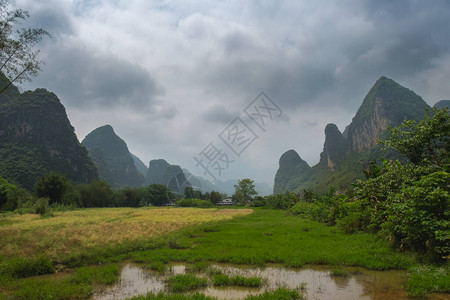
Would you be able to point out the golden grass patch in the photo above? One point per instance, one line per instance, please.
(65, 232)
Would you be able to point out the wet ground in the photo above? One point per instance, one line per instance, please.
(318, 282)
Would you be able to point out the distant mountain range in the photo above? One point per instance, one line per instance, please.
(36, 137)
(119, 168)
(386, 104)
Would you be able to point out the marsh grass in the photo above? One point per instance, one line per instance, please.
(198, 266)
(77, 285)
(225, 280)
(214, 271)
(279, 294)
(164, 296)
(107, 274)
(428, 279)
(185, 282)
(32, 288)
(157, 266)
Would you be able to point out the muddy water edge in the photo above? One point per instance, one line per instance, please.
(315, 282)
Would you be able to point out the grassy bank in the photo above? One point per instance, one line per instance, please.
(268, 236)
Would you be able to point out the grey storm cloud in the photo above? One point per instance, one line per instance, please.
(296, 52)
(401, 39)
(220, 114)
(185, 69)
(86, 79)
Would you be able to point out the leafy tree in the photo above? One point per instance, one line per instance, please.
(158, 194)
(52, 186)
(188, 192)
(245, 190)
(128, 197)
(191, 193)
(5, 189)
(258, 201)
(418, 216)
(18, 56)
(215, 197)
(94, 194)
(425, 142)
(198, 194)
(11, 196)
(206, 196)
(281, 201)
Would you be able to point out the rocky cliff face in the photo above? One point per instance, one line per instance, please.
(334, 148)
(140, 166)
(387, 103)
(172, 176)
(175, 179)
(155, 171)
(365, 135)
(36, 137)
(290, 172)
(111, 156)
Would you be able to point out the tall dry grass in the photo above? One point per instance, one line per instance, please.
(70, 231)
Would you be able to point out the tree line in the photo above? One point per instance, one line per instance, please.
(54, 189)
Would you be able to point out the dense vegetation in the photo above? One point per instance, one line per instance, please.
(405, 202)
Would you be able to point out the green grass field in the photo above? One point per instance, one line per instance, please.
(204, 236)
(268, 236)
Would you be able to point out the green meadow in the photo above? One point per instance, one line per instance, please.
(263, 237)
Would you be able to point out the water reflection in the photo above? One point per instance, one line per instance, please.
(133, 281)
(319, 283)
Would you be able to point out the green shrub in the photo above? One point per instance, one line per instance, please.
(41, 206)
(94, 194)
(418, 216)
(225, 280)
(52, 186)
(25, 267)
(198, 266)
(428, 279)
(106, 274)
(258, 201)
(185, 282)
(194, 203)
(281, 201)
(12, 197)
(158, 266)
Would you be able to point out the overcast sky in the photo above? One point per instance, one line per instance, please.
(171, 76)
